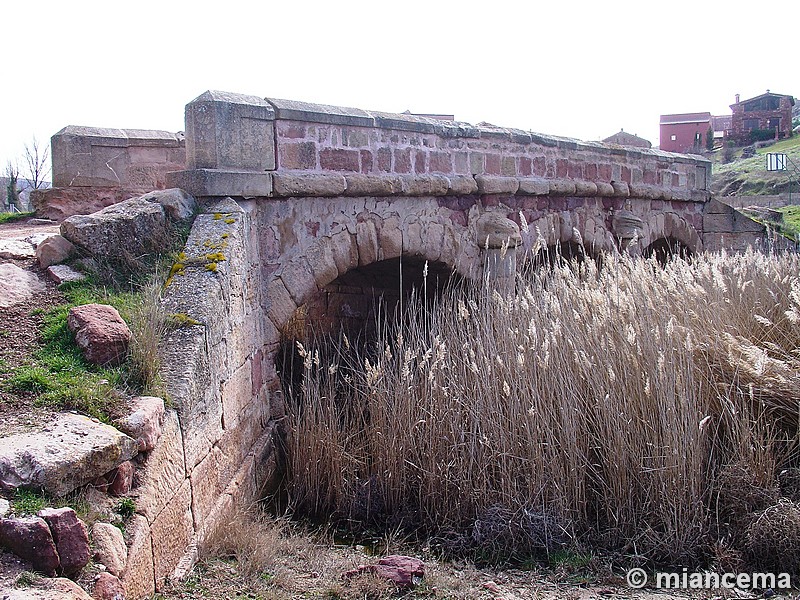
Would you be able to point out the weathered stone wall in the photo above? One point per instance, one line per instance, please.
(778, 201)
(217, 440)
(95, 167)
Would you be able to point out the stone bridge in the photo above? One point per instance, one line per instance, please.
(324, 207)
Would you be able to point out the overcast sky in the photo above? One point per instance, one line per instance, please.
(571, 68)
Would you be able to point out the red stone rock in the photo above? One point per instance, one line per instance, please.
(401, 570)
(419, 162)
(122, 479)
(108, 587)
(144, 421)
(71, 538)
(30, 538)
(493, 164)
(525, 166)
(335, 159)
(402, 160)
(366, 161)
(301, 155)
(100, 332)
(384, 157)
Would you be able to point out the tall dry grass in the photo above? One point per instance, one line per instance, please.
(633, 407)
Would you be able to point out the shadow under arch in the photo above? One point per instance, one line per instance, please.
(667, 248)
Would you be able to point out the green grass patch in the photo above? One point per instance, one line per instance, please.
(792, 143)
(9, 217)
(28, 502)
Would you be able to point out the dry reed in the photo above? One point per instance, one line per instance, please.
(614, 406)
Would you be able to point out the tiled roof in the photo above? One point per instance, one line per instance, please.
(703, 117)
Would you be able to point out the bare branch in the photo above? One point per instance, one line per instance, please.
(37, 160)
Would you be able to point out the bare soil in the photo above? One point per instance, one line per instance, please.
(19, 333)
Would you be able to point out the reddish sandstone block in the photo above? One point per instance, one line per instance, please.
(493, 164)
(604, 172)
(575, 170)
(649, 177)
(590, 171)
(525, 166)
(402, 160)
(294, 131)
(366, 161)
(384, 159)
(301, 155)
(539, 166)
(441, 162)
(562, 167)
(676, 180)
(626, 174)
(337, 159)
(419, 162)
(509, 166)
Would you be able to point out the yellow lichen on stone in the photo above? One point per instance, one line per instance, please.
(217, 216)
(229, 221)
(177, 320)
(215, 257)
(212, 266)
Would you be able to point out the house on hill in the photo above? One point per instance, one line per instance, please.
(623, 138)
(684, 132)
(756, 117)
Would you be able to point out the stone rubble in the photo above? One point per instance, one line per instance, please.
(109, 547)
(64, 274)
(54, 250)
(17, 285)
(100, 333)
(71, 538)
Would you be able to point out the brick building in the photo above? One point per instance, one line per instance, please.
(767, 112)
(684, 132)
(623, 138)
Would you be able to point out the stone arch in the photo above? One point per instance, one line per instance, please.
(568, 229)
(674, 230)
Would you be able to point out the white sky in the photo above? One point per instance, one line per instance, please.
(575, 68)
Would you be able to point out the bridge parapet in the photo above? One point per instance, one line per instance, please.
(249, 146)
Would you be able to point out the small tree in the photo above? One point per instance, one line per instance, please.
(12, 193)
(37, 160)
(710, 138)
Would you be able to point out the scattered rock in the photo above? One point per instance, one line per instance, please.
(15, 250)
(37, 238)
(121, 232)
(74, 452)
(53, 250)
(177, 204)
(122, 479)
(30, 538)
(401, 570)
(63, 274)
(100, 333)
(144, 422)
(17, 285)
(110, 548)
(49, 589)
(5, 507)
(108, 587)
(71, 538)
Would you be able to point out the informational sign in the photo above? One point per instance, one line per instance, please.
(776, 162)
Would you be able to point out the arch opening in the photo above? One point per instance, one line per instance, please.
(666, 249)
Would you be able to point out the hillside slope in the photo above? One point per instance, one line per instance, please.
(749, 176)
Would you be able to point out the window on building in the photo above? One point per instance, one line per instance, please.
(673, 137)
(774, 123)
(750, 124)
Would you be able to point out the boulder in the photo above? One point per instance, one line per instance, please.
(17, 285)
(100, 333)
(108, 587)
(400, 570)
(58, 588)
(54, 250)
(5, 507)
(122, 479)
(16, 250)
(64, 273)
(72, 540)
(109, 547)
(178, 205)
(74, 451)
(120, 232)
(30, 538)
(144, 422)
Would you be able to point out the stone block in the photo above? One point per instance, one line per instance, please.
(171, 532)
(462, 185)
(279, 303)
(621, 189)
(110, 548)
(163, 472)
(320, 259)
(345, 251)
(143, 422)
(373, 185)
(309, 184)
(488, 184)
(54, 250)
(339, 159)
(208, 480)
(585, 188)
(30, 538)
(425, 185)
(562, 187)
(292, 110)
(299, 280)
(71, 538)
(390, 239)
(236, 394)
(230, 131)
(18, 284)
(367, 242)
(204, 183)
(138, 578)
(534, 186)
